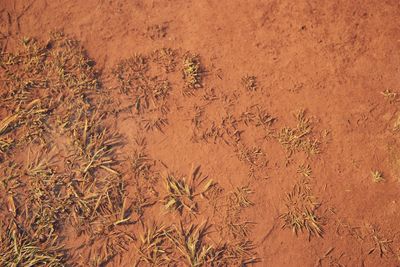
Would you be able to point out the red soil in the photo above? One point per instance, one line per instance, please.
(332, 58)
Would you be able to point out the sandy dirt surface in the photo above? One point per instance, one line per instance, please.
(200, 133)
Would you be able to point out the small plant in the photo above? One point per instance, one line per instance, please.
(181, 193)
(299, 138)
(240, 197)
(301, 211)
(377, 176)
(192, 72)
(154, 248)
(166, 58)
(305, 170)
(191, 245)
(391, 96)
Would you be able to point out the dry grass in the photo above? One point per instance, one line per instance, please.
(391, 96)
(212, 133)
(148, 92)
(192, 73)
(190, 244)
(249, 83)
(52, 87)
(238, 250)
(165, 58)
(108, 246)
(181, 192)
(53, 98)
(240, 253)
(381, 244)
(240, 197)
(254, 158)
(301, 211)
(17, 248)
(154, 249)
(305, 170)
(299, 138)
(377, 177)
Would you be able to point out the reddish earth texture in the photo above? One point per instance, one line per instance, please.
(199, 133)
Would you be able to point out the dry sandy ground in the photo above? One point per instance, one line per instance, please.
(332, 59)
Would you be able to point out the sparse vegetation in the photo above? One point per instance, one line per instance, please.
(91, 158)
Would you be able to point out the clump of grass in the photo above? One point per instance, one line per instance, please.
(391, 96)
(239, 229)
(305, 170)
(301, 211)
(240, 197)
(24, 126)
(192, 72)
(6, 144)
(249, 83)
(166, 58)
(254, 157)
(197, 117)
(298, 138)
(181, 193)
(377, 177)
(148, 92)
(143, 166)
(95, 144)
(238, 200)
(226, 130)
(191, 245)
(154, 249)
(17, 248)
(45, 206)
(238, 250)
(210, 95)
(130, 70)
(396, 125)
